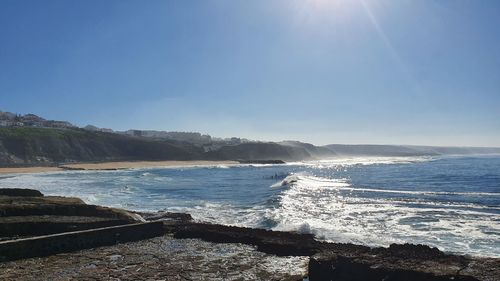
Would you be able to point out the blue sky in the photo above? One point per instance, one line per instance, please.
(322, 71)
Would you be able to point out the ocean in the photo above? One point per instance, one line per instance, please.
(452, 203)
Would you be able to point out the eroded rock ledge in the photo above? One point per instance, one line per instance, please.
(25, 213)
(338, 261)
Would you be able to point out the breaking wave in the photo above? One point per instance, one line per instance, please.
(334, 210)
(452, 204)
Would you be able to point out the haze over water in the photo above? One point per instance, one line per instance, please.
(452, 203)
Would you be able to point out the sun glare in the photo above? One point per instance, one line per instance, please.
(317, 11)
(328, 4)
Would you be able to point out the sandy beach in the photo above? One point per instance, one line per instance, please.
(28, 170)
(117, 166)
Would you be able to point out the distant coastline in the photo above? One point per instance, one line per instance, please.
(31, 146)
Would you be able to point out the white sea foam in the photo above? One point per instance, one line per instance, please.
(343, 184)
(225, 213)
(371, 160)
(319, 206)
(311, 181)
(331, 208)
(424, 192)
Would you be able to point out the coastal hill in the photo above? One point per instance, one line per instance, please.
(27, 140)
(259, 151)
(26, 146)
(50, 145)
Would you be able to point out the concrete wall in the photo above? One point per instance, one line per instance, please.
(73, 241)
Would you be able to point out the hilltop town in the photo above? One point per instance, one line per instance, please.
(9, 119)
(13, 120)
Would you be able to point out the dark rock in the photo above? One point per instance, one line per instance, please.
(262, 161)
(485, 269)
(271, 242)
(168, 216)
(57, 206)
(20, 192)
(414, 251)
(411, 252)
(373, 268)
(68, 168)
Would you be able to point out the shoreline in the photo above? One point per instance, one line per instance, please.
(54, 236)
(24, 170)
(117, 165)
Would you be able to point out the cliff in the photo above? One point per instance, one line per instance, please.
(25, 146)
(21, 146)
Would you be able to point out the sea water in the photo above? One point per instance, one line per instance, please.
(452, 203)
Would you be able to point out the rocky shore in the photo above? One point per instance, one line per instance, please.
(115, 244)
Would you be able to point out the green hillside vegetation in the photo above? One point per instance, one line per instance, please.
(50, 145)
(23, 146)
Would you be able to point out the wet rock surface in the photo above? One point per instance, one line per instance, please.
(337, 261)
(271, 242)
(335, 266)
(161, 258)
(21, 192)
